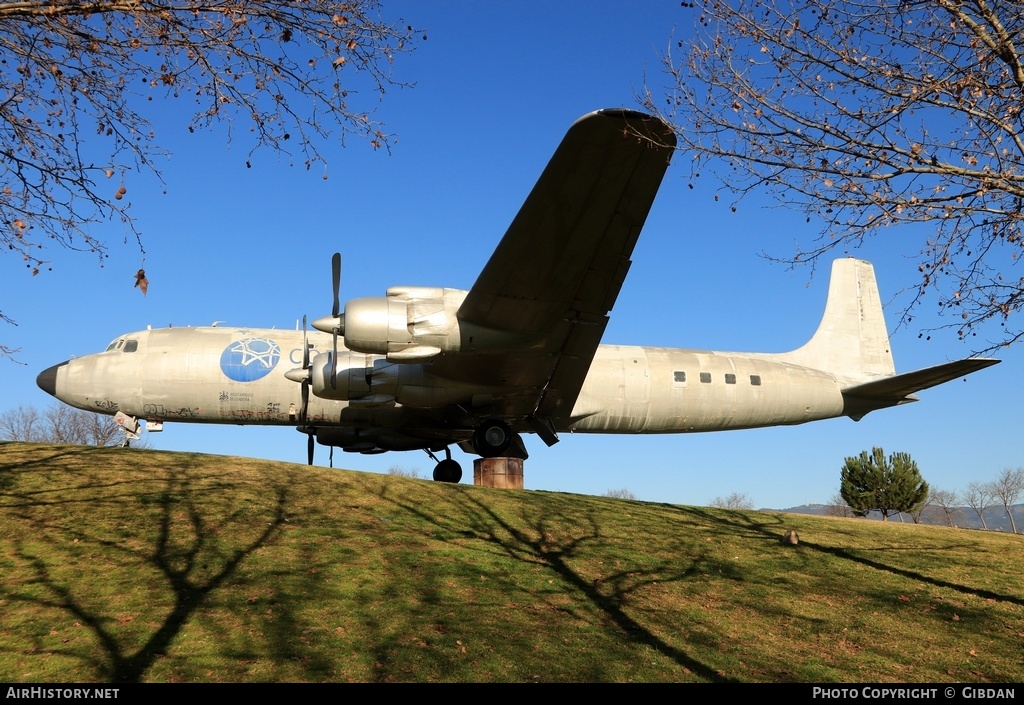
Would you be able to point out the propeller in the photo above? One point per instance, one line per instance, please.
(303, 376)
(303, 412)
(336, 280)
(335, 314)
(335, 324)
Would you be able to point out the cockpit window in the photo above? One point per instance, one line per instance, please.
(114, 345)
(130, 346)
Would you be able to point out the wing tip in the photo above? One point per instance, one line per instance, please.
(646, 126)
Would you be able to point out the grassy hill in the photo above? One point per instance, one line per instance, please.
(131, 565)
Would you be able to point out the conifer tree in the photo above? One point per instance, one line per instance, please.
(890, 485)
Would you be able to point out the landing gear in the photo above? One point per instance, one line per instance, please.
(492, 438)
(446, 470)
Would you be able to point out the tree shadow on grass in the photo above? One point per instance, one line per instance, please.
(772, 528)
(545, 542)
(193, 546)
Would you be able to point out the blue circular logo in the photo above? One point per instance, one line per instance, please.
(250, 359)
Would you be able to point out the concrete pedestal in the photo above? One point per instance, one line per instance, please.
(506, 473)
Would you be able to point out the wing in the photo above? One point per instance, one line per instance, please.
(558, 269)
(899, 389)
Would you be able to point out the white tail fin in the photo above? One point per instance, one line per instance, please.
(851, 341)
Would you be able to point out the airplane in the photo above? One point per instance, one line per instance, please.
(426, 368)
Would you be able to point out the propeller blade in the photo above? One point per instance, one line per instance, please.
(304, 411)
(336, 279)
(309, 448)
(335, 311)
(305, 346)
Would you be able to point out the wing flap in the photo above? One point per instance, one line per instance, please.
(899, 389)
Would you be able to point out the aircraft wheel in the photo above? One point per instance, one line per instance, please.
(492, 438)
(448, 471)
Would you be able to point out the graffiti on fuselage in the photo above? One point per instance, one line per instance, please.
(159, 411)
(272, 413)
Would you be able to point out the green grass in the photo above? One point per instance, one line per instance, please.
(137, 565)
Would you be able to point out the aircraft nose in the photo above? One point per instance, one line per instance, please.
(47, 379)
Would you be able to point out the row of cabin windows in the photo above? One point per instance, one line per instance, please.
(705, 378)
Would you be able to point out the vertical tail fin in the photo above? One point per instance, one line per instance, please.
(851, 341)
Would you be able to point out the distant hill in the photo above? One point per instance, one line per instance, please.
(963, 517)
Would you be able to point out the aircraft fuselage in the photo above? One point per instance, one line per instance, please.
(633, 389)
(237, 376)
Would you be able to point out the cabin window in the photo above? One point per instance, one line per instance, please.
(130, 346)
(755, 380)
(705, 377)
(730, 378)
(679, 376)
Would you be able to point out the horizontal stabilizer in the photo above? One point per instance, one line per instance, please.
(899, 389)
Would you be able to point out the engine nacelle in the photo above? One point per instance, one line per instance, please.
(420, 320)
(413, 324)
(350, 378)
(371, 380)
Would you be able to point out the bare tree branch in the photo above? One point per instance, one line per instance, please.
(59, 424)
(946, 501)
(867, 114)
(736, 500)
(978, 496)
(837, 507)
(78, 82)
(1007, 488)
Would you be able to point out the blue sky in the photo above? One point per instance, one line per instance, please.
(497, 86)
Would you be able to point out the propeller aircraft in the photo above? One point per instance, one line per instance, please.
(426, 368)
